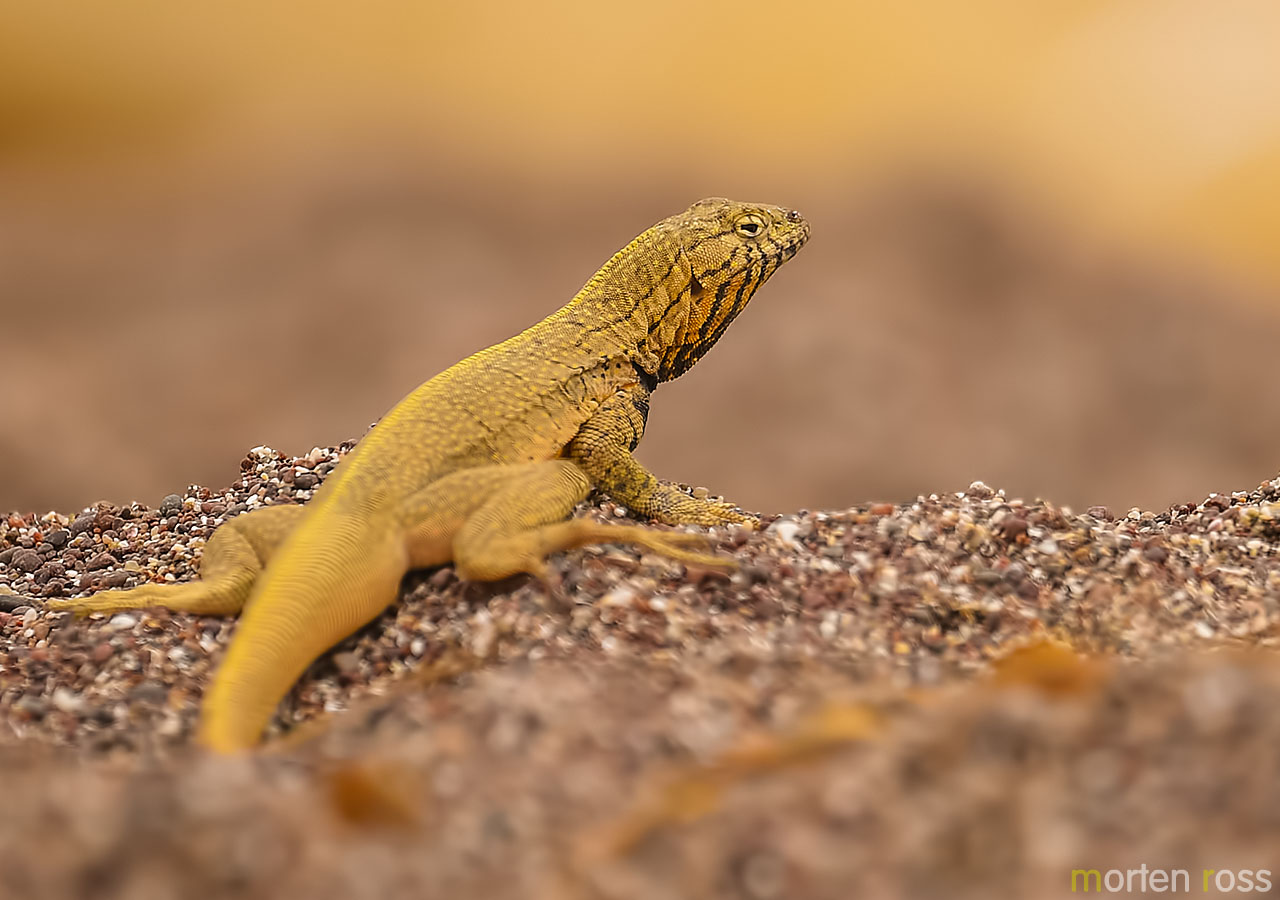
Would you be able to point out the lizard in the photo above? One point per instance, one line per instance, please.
(483, 465)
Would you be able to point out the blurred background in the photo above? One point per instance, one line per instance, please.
(1043, 254)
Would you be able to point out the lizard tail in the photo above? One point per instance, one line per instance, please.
(328, 580)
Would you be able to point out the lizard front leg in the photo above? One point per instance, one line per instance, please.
(602, 448)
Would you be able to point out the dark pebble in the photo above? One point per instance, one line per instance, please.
(26, 560)
(6, 555)
(114, 580)
(171, 505)
(1155, 553)
(32, 706)
(347, 663)
(83, 522)
(1013, 527)
(305, 481)
(987, 577)
(102, 561)
(813, 598)
(149, 692)
(756, 574)
(54, 587)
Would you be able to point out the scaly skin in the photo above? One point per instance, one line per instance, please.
(482, 464)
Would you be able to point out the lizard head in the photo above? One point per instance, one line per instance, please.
(730, 249)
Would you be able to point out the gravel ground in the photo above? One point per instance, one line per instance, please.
(878, 702)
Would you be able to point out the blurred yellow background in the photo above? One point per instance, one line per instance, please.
(1043, 233)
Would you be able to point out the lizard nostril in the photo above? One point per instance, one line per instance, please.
(794, 216)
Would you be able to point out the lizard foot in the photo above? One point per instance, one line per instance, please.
(693, 511)
(196, 597)
(671, 544)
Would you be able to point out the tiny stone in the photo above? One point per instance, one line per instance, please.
(32, 706)
(347, 663)
(1013, 527)
(763, 876)
(115, 579)
(786, 530)
(67, 701)
(979, 491)
(26, 560)
(102, 560)
(619, 596)
(149, 692)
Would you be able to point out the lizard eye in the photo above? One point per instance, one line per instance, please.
(750, 225)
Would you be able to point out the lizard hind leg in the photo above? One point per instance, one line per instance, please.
(232, 561)
(516, 526)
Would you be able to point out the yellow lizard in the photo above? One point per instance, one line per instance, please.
(483, 463)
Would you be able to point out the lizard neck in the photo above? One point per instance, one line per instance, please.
(639, 300)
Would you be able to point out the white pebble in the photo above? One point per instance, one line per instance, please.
(122, 620)
(830, 623)
(786, 530)
(67, 701)
(619, 596)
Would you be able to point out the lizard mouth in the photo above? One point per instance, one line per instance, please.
(782, 252)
